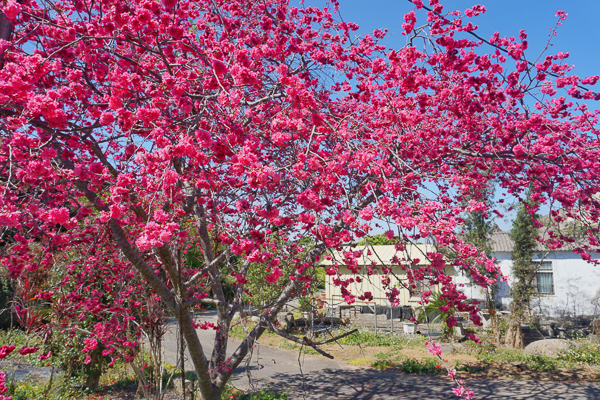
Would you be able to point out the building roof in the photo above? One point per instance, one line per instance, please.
(382, 255)
(501, 242)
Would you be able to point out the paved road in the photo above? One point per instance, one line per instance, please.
(321, 378)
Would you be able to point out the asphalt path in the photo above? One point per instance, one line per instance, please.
(314, 377)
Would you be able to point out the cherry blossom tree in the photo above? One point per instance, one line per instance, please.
(239, 128)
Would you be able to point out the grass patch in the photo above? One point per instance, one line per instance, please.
(425, 366)
(587, 353)
(239, 329)
(395, 354)
(19, 338)
(287, 345)
(230, 393)
(542, 363)
(371, 339)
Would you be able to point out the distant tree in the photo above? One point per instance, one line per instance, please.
(478, 231)
(524, 234)
(378, 240)
(259, 292)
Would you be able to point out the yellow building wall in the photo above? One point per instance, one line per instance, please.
(373, 284)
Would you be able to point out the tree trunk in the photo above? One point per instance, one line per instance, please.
(92, 382)
(491, 305)
(495, 328)
(514, 336)
(94, 370)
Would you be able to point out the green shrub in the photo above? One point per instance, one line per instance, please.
(425, 366)
(383, 364)
(62, 388)
(18, 338)
(542, 363)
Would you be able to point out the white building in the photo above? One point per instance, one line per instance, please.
(567, 285)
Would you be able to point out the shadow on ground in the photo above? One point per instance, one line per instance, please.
(374, 384)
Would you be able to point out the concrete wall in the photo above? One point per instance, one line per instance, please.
(576, 282)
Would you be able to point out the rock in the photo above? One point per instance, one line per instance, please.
(549, 347)
(255, 319)
(286, 320)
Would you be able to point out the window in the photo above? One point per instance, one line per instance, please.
(543, 283)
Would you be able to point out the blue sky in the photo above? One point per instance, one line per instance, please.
(579, 34)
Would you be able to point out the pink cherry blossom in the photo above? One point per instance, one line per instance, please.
(172, 149)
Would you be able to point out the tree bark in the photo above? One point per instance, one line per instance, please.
(94, 370)
(491, 305)
(6, 30)
(514, 336)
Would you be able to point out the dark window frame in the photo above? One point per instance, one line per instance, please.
(543, 281)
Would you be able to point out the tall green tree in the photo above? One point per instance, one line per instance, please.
(523, 234)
